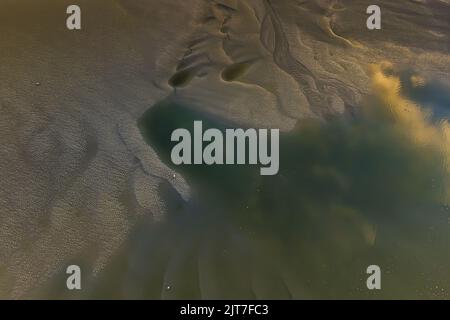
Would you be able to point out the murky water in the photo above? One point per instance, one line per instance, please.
(348, 194)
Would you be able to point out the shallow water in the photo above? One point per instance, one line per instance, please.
(348, 194)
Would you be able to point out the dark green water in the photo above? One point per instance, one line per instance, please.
(349, 193)
(234, 184)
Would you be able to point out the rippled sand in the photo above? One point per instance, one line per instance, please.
(79, 183)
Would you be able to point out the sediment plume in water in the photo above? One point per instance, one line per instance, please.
(364, 158)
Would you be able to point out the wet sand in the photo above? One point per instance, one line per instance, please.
(80, 184)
